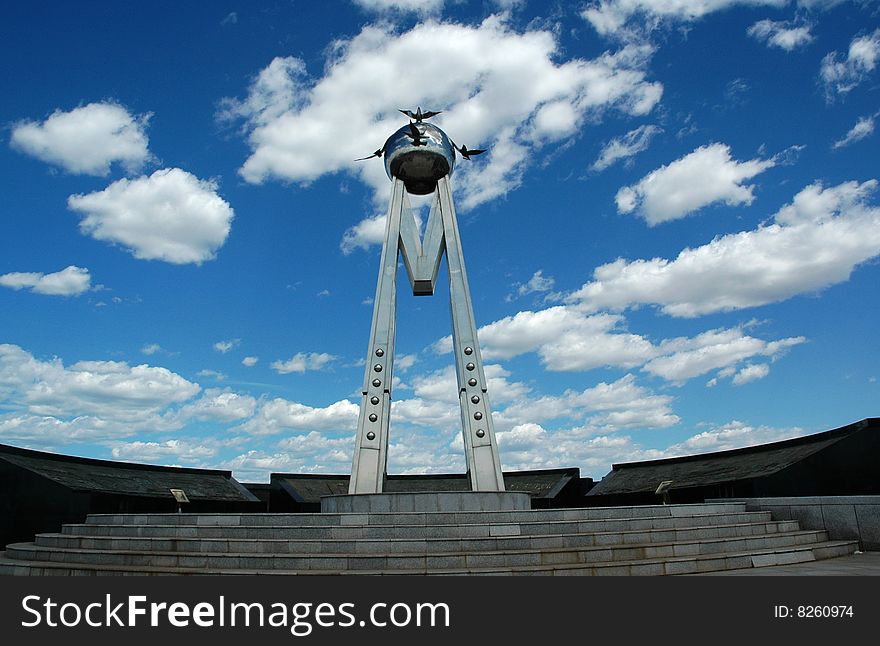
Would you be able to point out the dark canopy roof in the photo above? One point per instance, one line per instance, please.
(722, 466)
(106, 476)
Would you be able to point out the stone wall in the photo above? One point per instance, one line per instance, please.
(843, 517)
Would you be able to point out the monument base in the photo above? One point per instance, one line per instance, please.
(426, 501)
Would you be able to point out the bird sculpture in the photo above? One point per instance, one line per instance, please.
(418, 115)
(378, 153)
(415, 134)
(465, 152)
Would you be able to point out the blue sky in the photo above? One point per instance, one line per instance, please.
(672, 240)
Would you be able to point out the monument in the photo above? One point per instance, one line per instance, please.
(419, 159)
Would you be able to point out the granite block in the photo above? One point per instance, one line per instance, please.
(868, 517)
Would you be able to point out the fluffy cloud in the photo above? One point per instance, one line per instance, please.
(404, 362)
(685, 358)
(498, 89)
(279, 415)
(167, 452)
(733, 435)
(435, 401)
(364, 234)
(864, 128)
(703, 177)
(625, 147)
(414, 6)
(565, 339)
(303, 361)
(604, 408)
(88, 399)
(814, 242)
(569, 339)
(530, 446)
(86, 140)
(221, 406)
(751, 372)
(225, 346)
(537, 284)
(841, 75)
(71, 281)
(170, 215)
(211, 374)
(626, 18)
(310, 453)
(106, 401)
(250, 362)
(781, 34)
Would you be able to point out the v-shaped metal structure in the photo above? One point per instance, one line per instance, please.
(422, 260)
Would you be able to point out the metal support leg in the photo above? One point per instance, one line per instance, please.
(422, 260)
(371, 447)
(481, 450)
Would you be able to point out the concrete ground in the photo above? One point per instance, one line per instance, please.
(858, 564)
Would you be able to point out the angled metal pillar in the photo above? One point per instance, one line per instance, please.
(422, 261)
(371, 448)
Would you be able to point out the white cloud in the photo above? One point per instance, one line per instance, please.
(530, 446)
(275, 89)
(310, 453)
(864, 128)
(706, 176)
(151, 348)
(364, 234)
(167, 452)
(170, 215)
(628, 18)
(751, 372)
(219, 405)
(86, 140)
(498, 89)
(814, 242)
(250, 362)
(537, 284)
(733, 435)
(404, 362)
(685, 358)
(568, 339)
(625, 147)
(319, 448)
(784, 35)
(255, 466)
(278, 415)
(841, 75)
(415, 6)
(303, 361)
(603, 408)
(564, 338)
(225, 346)
(211, 374)
(70, 281)
(86, 400)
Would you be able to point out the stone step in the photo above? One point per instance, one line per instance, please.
(395, 561)
(643, 567)
(416, 518)
(373, 531)
(411, 545)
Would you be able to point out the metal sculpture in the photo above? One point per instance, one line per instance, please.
(419, 158)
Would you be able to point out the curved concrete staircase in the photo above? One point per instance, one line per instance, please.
(646, 540)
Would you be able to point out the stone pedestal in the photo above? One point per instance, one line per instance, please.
(426, 501)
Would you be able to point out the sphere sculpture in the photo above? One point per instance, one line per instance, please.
(419, 165)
